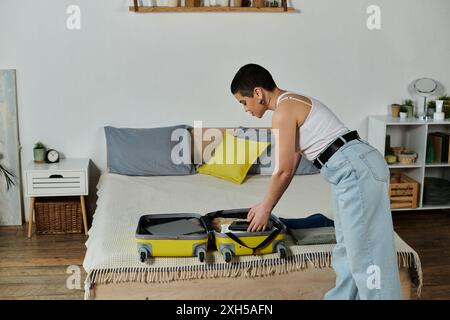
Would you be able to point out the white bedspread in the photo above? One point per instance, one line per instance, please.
(123, 199)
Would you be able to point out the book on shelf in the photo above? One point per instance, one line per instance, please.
(441, 144)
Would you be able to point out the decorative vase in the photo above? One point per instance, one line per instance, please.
(395, 110)
(439, 105)
(403, 115)
(236, 3)
(223, 3)
(39, 155)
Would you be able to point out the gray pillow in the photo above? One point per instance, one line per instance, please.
(265, 164)
(148, 152)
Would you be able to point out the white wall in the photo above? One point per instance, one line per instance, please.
(146, 70)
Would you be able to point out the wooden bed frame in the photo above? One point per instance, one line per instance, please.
(309, 284)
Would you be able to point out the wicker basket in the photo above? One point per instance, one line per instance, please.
(407, 158)
(58, 215)
(403, 191)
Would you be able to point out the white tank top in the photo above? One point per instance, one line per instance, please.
(320, 128)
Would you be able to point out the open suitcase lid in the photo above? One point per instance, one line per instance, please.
(181, 226)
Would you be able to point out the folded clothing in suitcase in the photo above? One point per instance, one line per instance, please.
(310, 236)
(315, 229)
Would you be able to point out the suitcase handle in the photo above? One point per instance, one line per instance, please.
(263, 244)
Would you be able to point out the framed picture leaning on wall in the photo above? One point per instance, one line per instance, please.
(10, 191)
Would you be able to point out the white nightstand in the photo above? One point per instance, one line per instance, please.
(69, 177)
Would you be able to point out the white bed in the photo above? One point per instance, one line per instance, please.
(123, 199)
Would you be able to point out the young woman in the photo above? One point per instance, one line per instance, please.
(364, 257)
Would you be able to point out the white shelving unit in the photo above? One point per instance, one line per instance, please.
(411, 133)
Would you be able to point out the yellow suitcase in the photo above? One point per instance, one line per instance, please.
(231, 244)
(166, 245)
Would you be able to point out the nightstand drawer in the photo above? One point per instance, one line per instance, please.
(56, 183)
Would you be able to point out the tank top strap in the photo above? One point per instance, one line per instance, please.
(284, 96)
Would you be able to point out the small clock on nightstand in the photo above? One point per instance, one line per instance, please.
(52, 156)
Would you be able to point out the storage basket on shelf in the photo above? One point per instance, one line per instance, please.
(403, 191)
(436, 191)
(57, 215)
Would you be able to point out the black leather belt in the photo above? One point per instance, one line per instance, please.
(328, 153)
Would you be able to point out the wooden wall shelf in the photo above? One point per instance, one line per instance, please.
(209, 9)
(143, 9)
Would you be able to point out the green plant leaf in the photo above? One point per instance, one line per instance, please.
(39, 145)
(9, 177)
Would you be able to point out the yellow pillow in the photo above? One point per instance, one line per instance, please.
(233, 157)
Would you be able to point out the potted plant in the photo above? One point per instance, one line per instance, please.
(431, 104)
(446, 106)
(9, 176)
(39, 152)
(403, 112)
(409, 105)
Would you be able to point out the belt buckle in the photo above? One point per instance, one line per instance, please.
(343, 139)
(318, 160)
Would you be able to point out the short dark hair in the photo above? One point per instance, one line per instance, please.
(249, 77)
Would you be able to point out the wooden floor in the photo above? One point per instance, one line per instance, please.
(36, 268)
(429, 234)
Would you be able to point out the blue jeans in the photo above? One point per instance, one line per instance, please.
(364, 258)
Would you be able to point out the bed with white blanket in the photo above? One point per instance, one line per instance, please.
(114, 270)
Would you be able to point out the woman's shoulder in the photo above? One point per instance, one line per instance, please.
(291, 110)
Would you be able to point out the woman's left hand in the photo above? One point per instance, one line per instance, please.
(259, 216)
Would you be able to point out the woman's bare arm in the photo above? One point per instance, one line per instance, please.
(284, 126)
